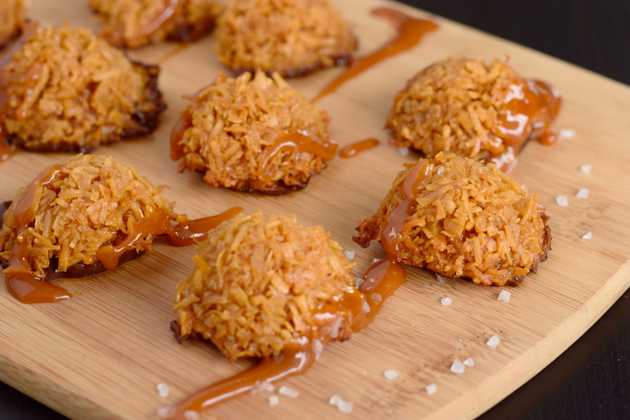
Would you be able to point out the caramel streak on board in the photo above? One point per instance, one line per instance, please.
(158, 223)
(410, 31)
(293, 361)
(351, 150)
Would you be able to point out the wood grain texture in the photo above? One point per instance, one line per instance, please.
(101, 354)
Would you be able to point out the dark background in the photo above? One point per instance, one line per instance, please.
(591, 380)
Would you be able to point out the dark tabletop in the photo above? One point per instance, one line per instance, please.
(591, 380)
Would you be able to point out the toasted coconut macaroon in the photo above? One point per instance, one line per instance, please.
(459, 217)
(291, 37)
(258, 284)
(134, 23)
(66, 90)
(485, 111)
(11, 20)
(67, 220)
(253, 133)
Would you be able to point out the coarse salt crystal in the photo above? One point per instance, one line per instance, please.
(446, 301)
(583, 193)
(562, 201)
(567, 134)
(288, 392)
(264, 386)
(431, 389)
(440, 279)
(469, 362)
(357, 281)
(458, 367)
(366, 307)
(588, 236)
(403, 151)
(586, 168)
(504, 296)
(191, 415)
(391, 374)
(493, 342)
(273, 400)
(341, 404)
(162, 390)
(350, 254)
(166, 411)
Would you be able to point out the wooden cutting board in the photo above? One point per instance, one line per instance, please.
(102, 353)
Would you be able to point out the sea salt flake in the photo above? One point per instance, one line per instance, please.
(403, 151)
(504, 296)
(431, 389)
(288, 392)
(583, 193)
(458, 367)
(341, 404)
(264, 386)
(588, 236)
(350, 254)
(493, 342)
(586, 168)
(273, 400)
(391, 374)
(562, 201)
(191, 415)
(163, 390)
(567, 133)
(357, 281)
(166, 411)
(440, 279)
(446, 300)
(469, 362)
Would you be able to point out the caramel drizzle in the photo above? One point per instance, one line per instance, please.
(164, 16)
(355, 308)
(354, 149)
(158, 223)
(20, 280)
(300, 142)
(410, 31)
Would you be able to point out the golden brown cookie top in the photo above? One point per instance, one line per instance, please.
(65, 89)
(460, 218)
(291, 37)
(258, 283)
(134, 23)
(86, 203)
(480, 110)
(253, 133)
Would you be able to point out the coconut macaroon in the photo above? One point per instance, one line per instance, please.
(291, 37)
(11, 20)
(460, 218)
(253, 133)
(134, 23)
(258, 284)
(66, 90)
(67, 220)
(480, 110)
